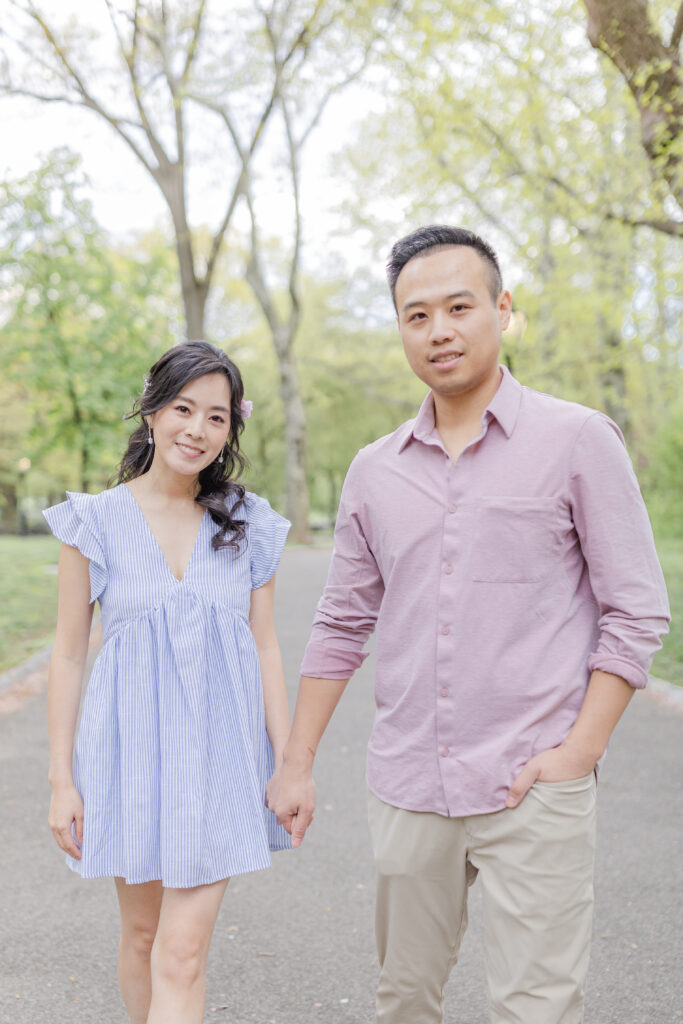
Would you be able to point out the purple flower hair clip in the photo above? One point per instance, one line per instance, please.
(245, 408)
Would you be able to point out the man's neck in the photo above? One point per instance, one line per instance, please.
(458, 417)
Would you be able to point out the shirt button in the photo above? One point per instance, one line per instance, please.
(445, 692)
(451, 509)
(445, 630)
(444, 752)
(448, 569)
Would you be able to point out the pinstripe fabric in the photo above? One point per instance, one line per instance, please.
(172, 755)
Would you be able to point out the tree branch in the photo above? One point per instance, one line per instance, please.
(677, 30)
(87, 100)
(665, 226)
(256, 276)
(293, 283)
(130, 57)
(194, 43)
(241, 185)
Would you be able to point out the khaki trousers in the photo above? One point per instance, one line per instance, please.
(535, 864)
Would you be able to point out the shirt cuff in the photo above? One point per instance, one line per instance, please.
(634, 675)
(325, 661)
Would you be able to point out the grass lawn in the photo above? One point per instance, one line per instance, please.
(28, 596)
(668, 663)
(28, 601)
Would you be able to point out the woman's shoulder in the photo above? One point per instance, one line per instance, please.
(259, 509)
(95, 505)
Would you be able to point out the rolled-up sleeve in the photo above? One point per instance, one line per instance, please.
(348, 609)
(617, 543)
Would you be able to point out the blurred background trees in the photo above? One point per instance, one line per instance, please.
(550, 130)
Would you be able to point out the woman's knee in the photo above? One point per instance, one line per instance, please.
(138, 937)
(178, 959)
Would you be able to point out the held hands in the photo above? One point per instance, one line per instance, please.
(559, 764)
(290, 795)
(66, 809)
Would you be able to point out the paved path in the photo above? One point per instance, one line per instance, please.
(294, 945)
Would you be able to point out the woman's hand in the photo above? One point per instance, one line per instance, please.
(66, 810)
(290, 795)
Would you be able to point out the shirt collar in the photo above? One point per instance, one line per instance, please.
(503, 407)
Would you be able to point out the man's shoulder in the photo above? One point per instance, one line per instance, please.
(383, 447)
(567, 417)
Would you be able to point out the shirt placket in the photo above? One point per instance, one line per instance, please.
(454, 555)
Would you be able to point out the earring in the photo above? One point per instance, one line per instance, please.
(150, 439)
(220, 457)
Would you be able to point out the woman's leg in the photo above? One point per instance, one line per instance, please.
(139, 906)
(180, 952)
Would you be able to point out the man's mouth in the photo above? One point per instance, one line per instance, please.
(446, 357)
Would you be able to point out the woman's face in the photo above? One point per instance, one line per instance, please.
(190, 432)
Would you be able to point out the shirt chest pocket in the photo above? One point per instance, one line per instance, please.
(515, 540)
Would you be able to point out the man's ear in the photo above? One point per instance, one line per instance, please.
(504, 309)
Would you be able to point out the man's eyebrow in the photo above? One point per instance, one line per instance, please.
(463, 293)
(191, 401)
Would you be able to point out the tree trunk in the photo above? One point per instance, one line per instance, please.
(85, 466)
(296, 485)
(10, 509)
(652, 70)
(194, 292)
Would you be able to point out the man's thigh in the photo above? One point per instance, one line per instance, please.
(536, 869)
(421, 910)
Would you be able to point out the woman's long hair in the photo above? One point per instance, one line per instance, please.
(219, 491)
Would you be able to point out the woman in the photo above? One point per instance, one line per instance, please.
(185, 714)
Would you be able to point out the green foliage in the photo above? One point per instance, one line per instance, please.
(663, 477)
(500, 117)
(354, 379)
(82, 322)
(28, 596)
(668, 663)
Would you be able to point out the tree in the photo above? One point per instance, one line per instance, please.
(183, 66)
(82, 323)
(551, 169)
(624, 30)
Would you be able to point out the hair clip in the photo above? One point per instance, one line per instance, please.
(245, 408)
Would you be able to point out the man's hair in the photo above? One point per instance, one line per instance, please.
(433, 238)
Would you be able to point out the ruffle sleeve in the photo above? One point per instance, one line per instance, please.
(74, 522)
(267, 535)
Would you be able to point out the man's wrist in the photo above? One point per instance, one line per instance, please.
(583, 752)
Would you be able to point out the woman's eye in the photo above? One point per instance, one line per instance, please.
(182, 408)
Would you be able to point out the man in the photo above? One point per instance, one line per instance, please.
(500, 544)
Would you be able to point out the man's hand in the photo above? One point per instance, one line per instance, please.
(560, 764)
(290, 795)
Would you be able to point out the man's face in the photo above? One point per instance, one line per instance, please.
(448, 322)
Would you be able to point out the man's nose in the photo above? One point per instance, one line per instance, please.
(442, 328)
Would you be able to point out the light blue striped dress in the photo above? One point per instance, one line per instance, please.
(172, 755)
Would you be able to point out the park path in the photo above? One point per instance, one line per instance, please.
(294, 945)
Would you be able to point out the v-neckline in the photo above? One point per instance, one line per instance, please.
(157, 545)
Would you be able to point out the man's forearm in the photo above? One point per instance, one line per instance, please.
(315, 704)
(606, 699)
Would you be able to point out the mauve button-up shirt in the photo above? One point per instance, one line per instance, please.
(496, 584)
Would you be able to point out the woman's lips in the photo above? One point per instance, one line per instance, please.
(188, 450)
